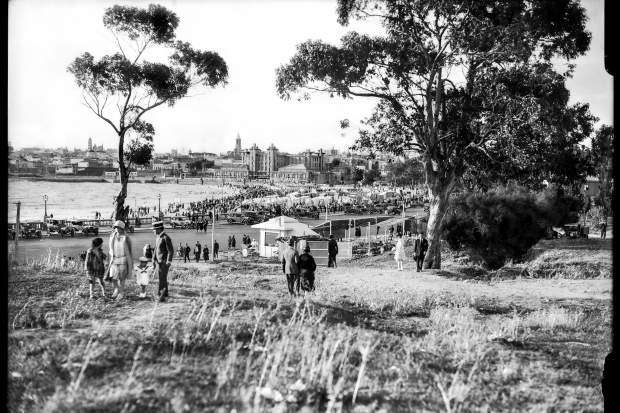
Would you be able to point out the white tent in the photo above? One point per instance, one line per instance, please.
(283, 227)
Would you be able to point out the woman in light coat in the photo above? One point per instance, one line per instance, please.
(121, 261)
(399, 255)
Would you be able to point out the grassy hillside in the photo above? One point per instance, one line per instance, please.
(370, 339)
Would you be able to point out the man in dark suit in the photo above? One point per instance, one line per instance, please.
(332, 251)
(420, 246)
(187, 250)
(216, 249)
(162, 257)
(290, 267)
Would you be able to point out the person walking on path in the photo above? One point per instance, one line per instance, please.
(603, 230)
(229, 241)
(197, 251)
(233, 242)
(399, 255)
(94, 266)
(121, 261)
(162, 258)
(205, 253)
(143, 275)
(307, 267)
(332, 251)
(187, 251)
(290, 267)
(216, 249)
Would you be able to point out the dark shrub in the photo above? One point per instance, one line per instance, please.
(505, 223)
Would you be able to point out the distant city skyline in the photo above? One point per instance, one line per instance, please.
(253, 37)
(172, 151)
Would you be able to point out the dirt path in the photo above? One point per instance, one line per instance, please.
(526, 292)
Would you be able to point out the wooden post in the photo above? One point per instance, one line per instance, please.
(17, 229)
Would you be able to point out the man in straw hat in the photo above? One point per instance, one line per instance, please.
(121, 261)
(162, 258)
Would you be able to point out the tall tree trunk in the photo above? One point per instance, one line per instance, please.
(440, 185)
(121, 212)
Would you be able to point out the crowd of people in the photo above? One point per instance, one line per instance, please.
(246, 197)
(299, 269)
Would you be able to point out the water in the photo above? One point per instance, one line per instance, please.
(82, 199)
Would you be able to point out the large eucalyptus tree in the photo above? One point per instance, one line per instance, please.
(472, 85)
(122, 87)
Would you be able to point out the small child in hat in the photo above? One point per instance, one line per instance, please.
(94, 266)
(143, 275)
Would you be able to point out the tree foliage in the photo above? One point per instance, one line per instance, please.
(469, 84)
(407, 173)
(603, 161)
(122, 87)
(370, 176)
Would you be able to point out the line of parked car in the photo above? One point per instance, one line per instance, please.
(60, 227)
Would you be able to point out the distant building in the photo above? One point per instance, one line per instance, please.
(95, 152)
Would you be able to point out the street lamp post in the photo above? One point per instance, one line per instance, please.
(45, 200)
(159, 199)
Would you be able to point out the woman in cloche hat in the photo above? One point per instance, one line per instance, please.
(121, 261)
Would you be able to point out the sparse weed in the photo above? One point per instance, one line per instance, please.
(257, 352)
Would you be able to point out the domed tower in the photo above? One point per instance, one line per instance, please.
(90, 144)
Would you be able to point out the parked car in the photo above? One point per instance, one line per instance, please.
(86, 227)
(11, 231)
(59, 227)
(576, 230)
(306, 213)
(29, 231)
(392, 210)
(77, 225)
(353, 210)
(239, 218)
(366, 209)
(256, 216)
(180, 222)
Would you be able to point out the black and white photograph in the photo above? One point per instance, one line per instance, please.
(340, 206)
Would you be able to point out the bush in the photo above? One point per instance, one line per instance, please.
(504, 224)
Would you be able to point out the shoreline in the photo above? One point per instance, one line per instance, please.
(54, 179)
(97, 179)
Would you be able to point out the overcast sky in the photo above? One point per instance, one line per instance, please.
(253, 37)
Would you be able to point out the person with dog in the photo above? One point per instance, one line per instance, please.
(162, 258)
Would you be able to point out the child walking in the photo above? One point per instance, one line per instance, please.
(143, 275)
(94, 266)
